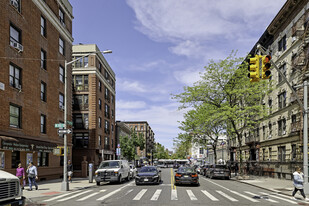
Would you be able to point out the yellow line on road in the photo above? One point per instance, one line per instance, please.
(173, 186)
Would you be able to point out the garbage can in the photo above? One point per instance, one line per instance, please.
(90, 172)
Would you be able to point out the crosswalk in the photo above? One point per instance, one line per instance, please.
(141, 194)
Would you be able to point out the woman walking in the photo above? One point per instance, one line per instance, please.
(20, 173)
(298, 182)
(32, 175)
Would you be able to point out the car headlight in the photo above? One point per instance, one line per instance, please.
(155, 176)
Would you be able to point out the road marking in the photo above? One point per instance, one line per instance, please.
(78, 194)
(140, 194)
(226, 196)
(60, 196)
(114, 192)
(270, 200)
(244, 196)
(191, 195)
(173, 186)
(210, 196)
(174, 195)
(280, 198)
(156, 195)
(91, 195)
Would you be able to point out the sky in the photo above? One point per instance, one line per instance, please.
(160, 46)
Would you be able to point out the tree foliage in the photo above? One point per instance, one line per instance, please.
(160, 152)
(130, 143)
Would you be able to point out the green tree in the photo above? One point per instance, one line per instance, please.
(160, 152)
(182, 145)
(129, 144)
(234, 100)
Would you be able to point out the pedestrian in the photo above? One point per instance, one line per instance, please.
(70, 170)
(32, 175)
(20, 173)
(236, 168)
(298, 182)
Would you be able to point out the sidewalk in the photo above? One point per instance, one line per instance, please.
(52, 187)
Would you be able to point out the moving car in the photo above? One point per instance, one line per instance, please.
(133, 171)
(221, 171)
(148, 175)
(186, 175)
(112, 171)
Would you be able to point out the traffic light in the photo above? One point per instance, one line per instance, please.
(254, 68)
(266, 67)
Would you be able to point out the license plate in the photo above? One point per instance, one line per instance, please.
(146, 180)
(186, 175)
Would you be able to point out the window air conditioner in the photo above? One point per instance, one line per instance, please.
(269, 136)
(283, 133)
(14, 3)
(18, 46)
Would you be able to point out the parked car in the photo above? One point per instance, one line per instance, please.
(148, 175)
(133, 171)
(221, 171)
(112, 171)
(186, 175)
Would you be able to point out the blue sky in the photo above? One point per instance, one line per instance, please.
(160, 46)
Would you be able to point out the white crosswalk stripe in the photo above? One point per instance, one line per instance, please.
(226, 196)
(73, 196)
(174, 195)
(244, 196)
(140, 194)
(60, 196)
(91, 195)
(156, 195)
(191, 195)
(113, 192)
(270, 200)
(280, 198)
(210, 196)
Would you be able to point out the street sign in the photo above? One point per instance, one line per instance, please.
(64, 131)
(69, 123)
(60, 125)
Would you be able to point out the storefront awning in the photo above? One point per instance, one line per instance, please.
(22, 144)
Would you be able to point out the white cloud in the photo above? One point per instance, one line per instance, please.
(130, 86)
(188, 76)
(121, 104)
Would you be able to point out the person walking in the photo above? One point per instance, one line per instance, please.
(70, 170)
(20, 173)
(32, 175)
(298, 182)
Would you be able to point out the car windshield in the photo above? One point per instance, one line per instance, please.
(185, 169)
(109, 165)
(148, 169)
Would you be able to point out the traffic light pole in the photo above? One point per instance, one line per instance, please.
(304, 108)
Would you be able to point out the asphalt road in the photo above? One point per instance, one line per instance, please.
(210, 192)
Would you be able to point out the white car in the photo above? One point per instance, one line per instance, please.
(133, 171)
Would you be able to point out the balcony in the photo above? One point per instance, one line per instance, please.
(80, 107)
(81, 88)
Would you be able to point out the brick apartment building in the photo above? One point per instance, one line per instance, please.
(36, 39)
(93, 106)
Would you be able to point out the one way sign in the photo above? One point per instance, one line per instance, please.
(64, 131)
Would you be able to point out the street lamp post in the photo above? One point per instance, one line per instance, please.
(65, 183)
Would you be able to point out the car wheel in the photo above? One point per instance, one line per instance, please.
(119, 179)
(128, 177)
(98, 183)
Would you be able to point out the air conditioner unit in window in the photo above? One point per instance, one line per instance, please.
(283, 133)
(18, 46)
(269, 136)
(14, 3)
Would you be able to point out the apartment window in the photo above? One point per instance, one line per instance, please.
(15, 76)
(106, 111)
(270, 129)
(85, 61)
(142, 128)
(100, 67)
(80, 102)
(100, 143)
(16, 4)
(61, 17)
(80, 140)
(2, 160)
(201, 151)
(106, 130)
(269, 153)
(106, 143)
(100, 104)
(112, 128)
(263, 157)
(106, 75)
(100, 122)
(270, 105)
(112, 98)
(112, 113)
(43, 59)
(15, 35)
(283, 70)
(282, 127)
(15, 159)
(61, 46)
(282, 100)
(43, 123)
(61, 101)
(43, 26)
(282, 44)
(293, 117)
(42, 159)
(107, 94)
(43, 91)
(135, 128)
(281, 154)
(80, 121)
(81, 82)
(264, 129)
(61, 73)
(15, 116)
(100, 86)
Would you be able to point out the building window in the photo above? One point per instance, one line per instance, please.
(42, 159)
(15, 36)
(112, 98)
(106, 111)
(100, 86)
(43, 123)
(100, 143)
(15, 159)
(270, 105)
(61, 73)
(107, 94)
(81, 82)
(43, 59)
(106, 143)
(282, 100)
(283, 70)
(100, 122)
(86, 62)
(135, 128)
(43, 91)
(282, 127)
(293, 117)
(263, 154)
(112, 128)
(80, 121)
(142, 128)
(43, 26)
(293, 152)
(15, 116)
(16, 4)
(281, 154)
(61, 101)
(2, 160)
(106, 75)
(15, 77)
(80, 140)
(61, 17)
(264, 129)
(112, 113)
(100, 67)
(269, 154)
(270, 129)
(282, 44)
(201, 150)
(80, 102)
(106, 129)
(61, 46)
(100, 104)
